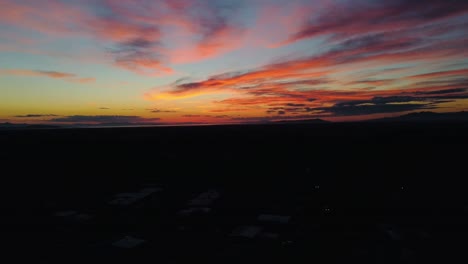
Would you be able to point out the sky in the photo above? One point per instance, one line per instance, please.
(230, 61)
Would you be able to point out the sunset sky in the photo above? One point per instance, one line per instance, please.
(230, 61)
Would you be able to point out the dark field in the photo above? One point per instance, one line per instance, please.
(365, 193)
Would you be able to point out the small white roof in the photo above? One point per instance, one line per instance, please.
(129, 198)
(128, 242)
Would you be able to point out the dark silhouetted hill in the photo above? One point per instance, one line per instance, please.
(351, 192)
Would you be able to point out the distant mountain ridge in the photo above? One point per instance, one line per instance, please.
(427, 117)
(304, 121)
(8, 125)
(412, 117)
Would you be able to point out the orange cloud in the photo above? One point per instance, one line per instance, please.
(276, 80)
(83, 80)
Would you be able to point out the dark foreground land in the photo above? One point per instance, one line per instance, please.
(323, 193)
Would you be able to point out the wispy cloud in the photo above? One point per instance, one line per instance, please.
(50, 74)
(82, 80)
(315, 83)
(331, 58)
(133, 31)
(362, 17)
(35, 115)
(157, 110)
(452, 73)
(105, 119)
(70, 77)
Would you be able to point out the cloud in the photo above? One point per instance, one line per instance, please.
(207, 117)
(106, 119)
(60, 19)
(35, 115)
(221, 116)
(234, 82)
(70, 77)
(382, 104)
(156, 110)
(452, 73)
(362, 17)
(377, 82)
(192, 116)
(50, 74)
(364, 56)
(229, 109)
(82, 80)
(355, 110)
(104, 108)
(133, 42)
(295, 105)
(54, 74)
(140, 36)
(310, 84)
(377, 105)
(139, 32)
(212, 24)
(446, 91)
(149, 37)
(312, 71)
(276, 118)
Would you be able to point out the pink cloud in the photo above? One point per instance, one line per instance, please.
(221, 42)
(146, 38)
(195, 36)
(310, 84)
(60, 18)
(133, 32)
(275, 22)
